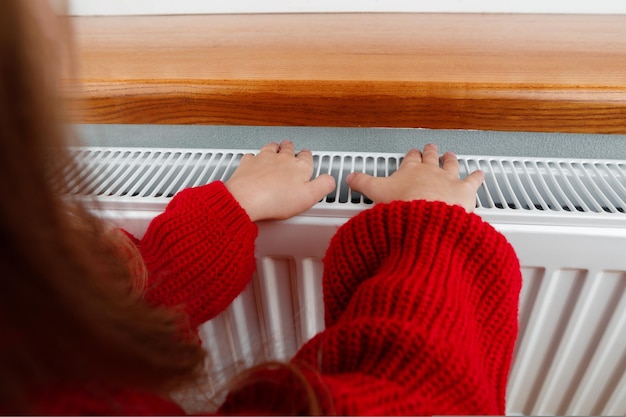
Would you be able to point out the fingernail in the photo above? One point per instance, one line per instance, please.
(349, 178)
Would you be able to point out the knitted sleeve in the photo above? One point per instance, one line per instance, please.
(421, 306)
(199, 253)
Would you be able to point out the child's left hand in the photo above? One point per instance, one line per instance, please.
(276, 183)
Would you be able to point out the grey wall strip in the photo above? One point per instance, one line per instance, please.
(463, 142)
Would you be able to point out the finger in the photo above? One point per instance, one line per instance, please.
(287, 147)
(413, 156)
(475, 179)
(450, 163)
(321, 186)
(363, 183)
(306, 156)
(272, 147)
(245, 158)
(430, 156)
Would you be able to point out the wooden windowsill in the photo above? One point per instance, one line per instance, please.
(550, 73)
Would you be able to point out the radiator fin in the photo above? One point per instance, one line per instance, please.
(559, 308)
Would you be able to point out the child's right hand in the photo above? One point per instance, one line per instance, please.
(419, 177)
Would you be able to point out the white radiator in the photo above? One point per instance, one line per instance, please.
(565, 218)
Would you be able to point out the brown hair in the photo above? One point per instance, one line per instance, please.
(66, 312)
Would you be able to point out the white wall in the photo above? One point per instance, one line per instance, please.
(113, 7)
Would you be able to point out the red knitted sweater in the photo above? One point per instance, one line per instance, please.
(420, 299)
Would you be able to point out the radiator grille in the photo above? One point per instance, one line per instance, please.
(537, 184)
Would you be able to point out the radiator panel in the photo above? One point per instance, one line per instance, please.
(566, 220)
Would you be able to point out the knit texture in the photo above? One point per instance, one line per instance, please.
(421, 303)
(199, 253)
(420, 299)
(421, 312)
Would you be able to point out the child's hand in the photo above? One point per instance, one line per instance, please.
(420, 178)
(276, 183)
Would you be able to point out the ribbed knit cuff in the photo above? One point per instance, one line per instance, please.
(199, 252)
(425, 295)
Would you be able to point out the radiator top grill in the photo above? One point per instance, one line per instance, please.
(511, 183)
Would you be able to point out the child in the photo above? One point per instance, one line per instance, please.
(420, 294)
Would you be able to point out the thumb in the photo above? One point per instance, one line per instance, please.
(475, 179)
(361, 183)
(321, 186)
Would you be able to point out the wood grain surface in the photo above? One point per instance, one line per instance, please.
(552, 73)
